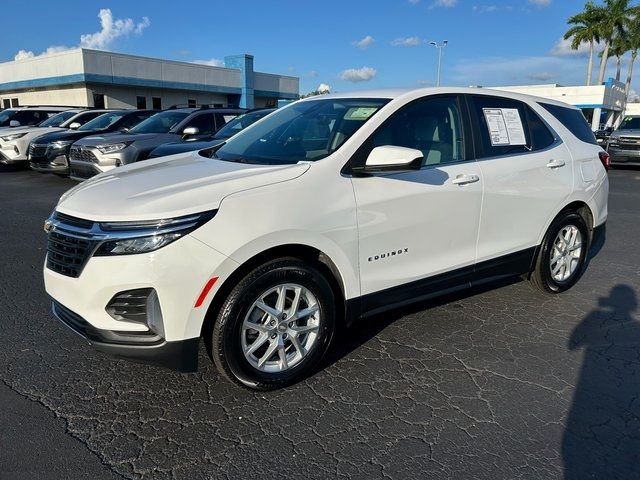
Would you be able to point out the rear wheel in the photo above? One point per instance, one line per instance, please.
(275, 325)
(562, 257)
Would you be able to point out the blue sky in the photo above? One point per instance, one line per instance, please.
(381, 43)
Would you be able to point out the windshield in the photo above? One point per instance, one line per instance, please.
(58, 119)
(304, 131)
(240, 123)
(160, 122)
(6, 116)
(103, 121)
(630, 123)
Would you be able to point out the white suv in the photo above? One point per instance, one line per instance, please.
(327, 210)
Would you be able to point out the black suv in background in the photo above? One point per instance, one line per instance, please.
(100, 153)
(50, 152)
(227, 131)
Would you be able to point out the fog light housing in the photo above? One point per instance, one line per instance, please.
(138, 306)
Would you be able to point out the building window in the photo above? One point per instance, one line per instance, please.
(14, 102)
(98, 100)
(157, 103)
(6, 103)
(141, 102)
(191, 103)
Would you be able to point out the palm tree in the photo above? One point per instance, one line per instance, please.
(619, 46)
(617, 17)
(586, 29)
(633, 43)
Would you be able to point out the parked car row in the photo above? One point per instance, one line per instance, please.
(82, 142)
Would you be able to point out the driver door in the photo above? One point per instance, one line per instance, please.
(418, 230)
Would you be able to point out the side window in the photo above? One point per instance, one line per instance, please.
(432, 125)
(88, 116)
(203, 122)
(503, 126)
(541, 137)
(573, 120)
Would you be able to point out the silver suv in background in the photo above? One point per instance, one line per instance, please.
(14, 143)
(624, 143)
(100, 153)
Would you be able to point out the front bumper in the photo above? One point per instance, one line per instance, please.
(177, 273)
(81, 171)
(10, 153)
(148, 348)
(623, 155)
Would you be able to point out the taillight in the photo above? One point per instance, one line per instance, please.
(605, 159)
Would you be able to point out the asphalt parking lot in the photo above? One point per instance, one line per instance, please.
(502, 383)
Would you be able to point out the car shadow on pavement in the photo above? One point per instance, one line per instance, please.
(602, 433)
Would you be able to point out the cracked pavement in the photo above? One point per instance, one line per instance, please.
(502, 382)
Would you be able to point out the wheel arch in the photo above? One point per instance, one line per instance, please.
(318, 258)
(578, 206)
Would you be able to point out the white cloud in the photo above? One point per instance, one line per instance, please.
(541, 76)
(112, 29)
(363, 74)
(443, 3)
(541, 3)
(291, 69)
(484, 8)
(324, 88)
(406, 42)
(364, 43)
(562, 48)
(212, 62)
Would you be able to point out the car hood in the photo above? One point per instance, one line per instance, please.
(34, 130)
(626, 133)
(168, 187)
(140, 138)
(61, 135)
(181, 147)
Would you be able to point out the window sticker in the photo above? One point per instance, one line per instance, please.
(360, 113)
(505, 126)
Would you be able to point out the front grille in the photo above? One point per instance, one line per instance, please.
(70, 244)
(629, 146)
(37, 151)
(67, 254)
(78, 153)
(81, 171)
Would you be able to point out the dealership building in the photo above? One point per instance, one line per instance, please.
(92, 78)
(602, 105)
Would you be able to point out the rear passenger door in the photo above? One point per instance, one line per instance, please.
(527, 172)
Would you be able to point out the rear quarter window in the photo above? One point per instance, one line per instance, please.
(573, 120)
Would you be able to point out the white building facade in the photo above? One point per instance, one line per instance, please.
(602, 105)
(93, 78)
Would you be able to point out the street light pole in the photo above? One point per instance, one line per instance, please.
(439, 46)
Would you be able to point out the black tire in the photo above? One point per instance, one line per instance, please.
(226, 349)
(541, 276)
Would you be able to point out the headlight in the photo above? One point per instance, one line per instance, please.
(13, 136)
(126, 238)
(61, 144)
(113, 147)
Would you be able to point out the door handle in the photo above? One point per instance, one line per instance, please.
(555, 164)
(464, 179)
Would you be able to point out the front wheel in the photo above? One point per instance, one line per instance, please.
(563, 254)
(275, 325)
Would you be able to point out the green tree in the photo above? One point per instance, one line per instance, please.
(619, 46)
(617, 16)
(633, 44)
(586, 29)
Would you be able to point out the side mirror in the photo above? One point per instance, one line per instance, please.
(14, 123)
(75, 126)
(190, 131)
(390, 158)
(124, 130)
